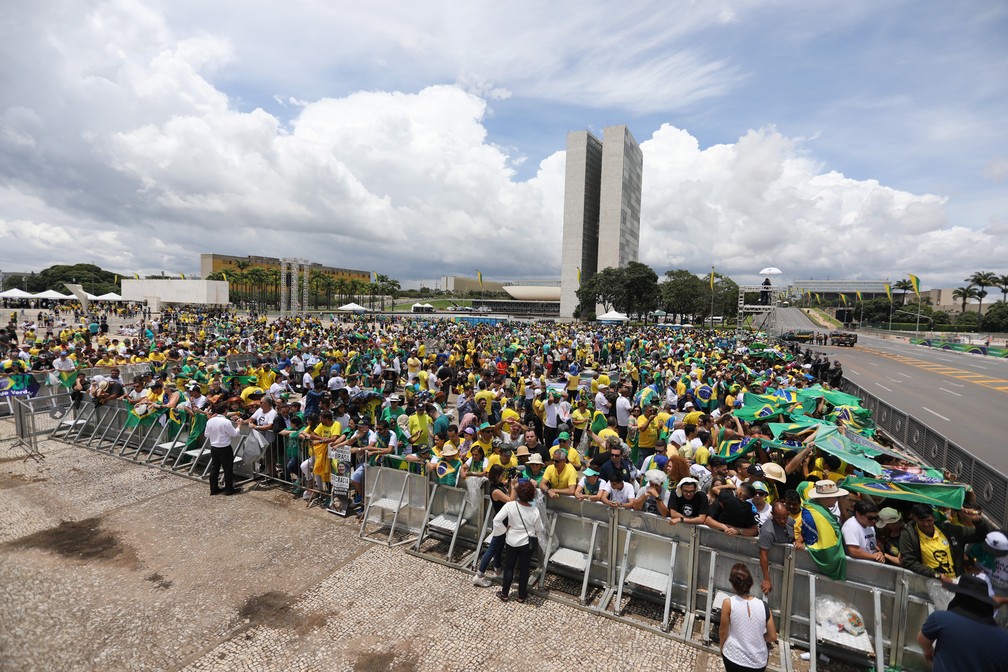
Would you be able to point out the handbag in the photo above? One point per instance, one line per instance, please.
(533, 542)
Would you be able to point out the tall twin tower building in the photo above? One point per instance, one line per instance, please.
(602, 199)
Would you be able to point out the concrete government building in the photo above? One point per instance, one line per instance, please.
(602, 199)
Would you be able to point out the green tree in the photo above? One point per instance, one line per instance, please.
(996, 319)
(966, 320)
(607, 287)
(964, 294)
(983, 280)
(641, 294)
(1002, 284)
(681, 294)
(903, 286)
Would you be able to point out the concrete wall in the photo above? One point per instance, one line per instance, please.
(176, 291)
(582, 179)
(620, 199)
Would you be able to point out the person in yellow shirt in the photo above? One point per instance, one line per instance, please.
(420, 427)
(647, 431)
(573, 380)
(563, 443)
(580, 417)
(506, 458)
(560, 477)
(328, 431)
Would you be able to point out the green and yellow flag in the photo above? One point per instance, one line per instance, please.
(712, 278)
(821, 534)
(888, 291)
(479, 277)
(818, 298)
(66, 378)
(224, 275)
(136, 276)
(915, 282)
(859, 297)
(843, 297)
(579, 275)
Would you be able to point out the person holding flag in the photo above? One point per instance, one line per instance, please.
(817, 529)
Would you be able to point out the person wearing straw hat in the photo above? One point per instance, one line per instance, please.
(965, 636)
(447, 467)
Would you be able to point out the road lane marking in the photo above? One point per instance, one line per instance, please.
(874, 363)
(905, 375)
(854, 372)
(938, 414)
(956, 384)
(977, 366)
(949, 391)
(986, 380)
(884, 387)
(895, 380)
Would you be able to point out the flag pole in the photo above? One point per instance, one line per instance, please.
(712, 297)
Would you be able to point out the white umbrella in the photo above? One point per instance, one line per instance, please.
(770, 270)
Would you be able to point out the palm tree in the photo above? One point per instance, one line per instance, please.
(1002, 284)
(903, 286)
(258, 277)
(964, 294)
(273, 280)
(316, 280)
(342, 287)
(983, 280)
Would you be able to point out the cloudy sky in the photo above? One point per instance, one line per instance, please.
(842, 140)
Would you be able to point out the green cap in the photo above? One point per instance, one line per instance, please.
(564, 436)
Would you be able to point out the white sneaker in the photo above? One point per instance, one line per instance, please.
(482, 581)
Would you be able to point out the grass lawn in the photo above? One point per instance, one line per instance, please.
(822, 318)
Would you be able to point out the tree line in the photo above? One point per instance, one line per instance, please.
(635, 290)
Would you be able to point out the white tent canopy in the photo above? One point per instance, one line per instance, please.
(612, 316)
(110, 296)
(427, 305)
(16, 293)
(352, 308)
(53, 294)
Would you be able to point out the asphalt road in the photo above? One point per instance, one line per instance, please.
(963, 397)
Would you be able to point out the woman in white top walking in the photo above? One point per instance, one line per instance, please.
(520, 519)
(747, 626)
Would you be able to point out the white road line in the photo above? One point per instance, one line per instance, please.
(895, 380)
(884, 387)
(977, 366)
(933, 413)
(949, 391)
(900, 373)
(956, 384)
(873, 363)
(856, 373)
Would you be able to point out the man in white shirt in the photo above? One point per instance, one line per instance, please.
(219, 431)
(623, 407)
(859, 533)
(617, 493)
(601, 403)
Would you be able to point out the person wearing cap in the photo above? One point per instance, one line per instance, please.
(759, 501)
(859, 532)
(560, 477)
(887, 533)
(393, 410)
(503, 455)
(534, 469)
(936, 549)
(589, 486)
(991, 557)
(965, 636)
(649, 498)
(447, 467)
(419, 427)
(563, 441)
(687, 504)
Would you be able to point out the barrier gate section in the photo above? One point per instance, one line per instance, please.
(396, 501)
(577, 549)
(452, 517)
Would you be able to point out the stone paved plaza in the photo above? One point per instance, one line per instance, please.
(110, 565)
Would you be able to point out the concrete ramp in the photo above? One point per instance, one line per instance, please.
(793, 319)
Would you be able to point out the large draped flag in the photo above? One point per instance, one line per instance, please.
(942, 495)
(821, 533)
(830, 440)
(759, 407)
(599, 422)
(704, 394)
(915, 283)
(196, 428)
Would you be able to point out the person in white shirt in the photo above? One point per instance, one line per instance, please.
(763, 510)
(63, 362)
(617, 493)
(601, 403)
(859, 532)
(520, 522)
(219, 431)
(623, 407)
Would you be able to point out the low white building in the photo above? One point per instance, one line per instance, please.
(158, 291)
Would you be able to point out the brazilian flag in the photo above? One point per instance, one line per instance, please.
(599, 422)
(735, 448)
(196, 427)
(142, 415)
(447, 472)
(67, 378)
(821, 533)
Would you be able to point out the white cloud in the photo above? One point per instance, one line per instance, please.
(131, 156)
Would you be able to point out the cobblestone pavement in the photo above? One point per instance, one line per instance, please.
(110, 565)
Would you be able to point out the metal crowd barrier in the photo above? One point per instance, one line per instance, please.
(38, 417)
(104, 429)
(453, 517)
(396, 501)
(990, 485)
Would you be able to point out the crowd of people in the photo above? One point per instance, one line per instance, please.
(679, 424)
